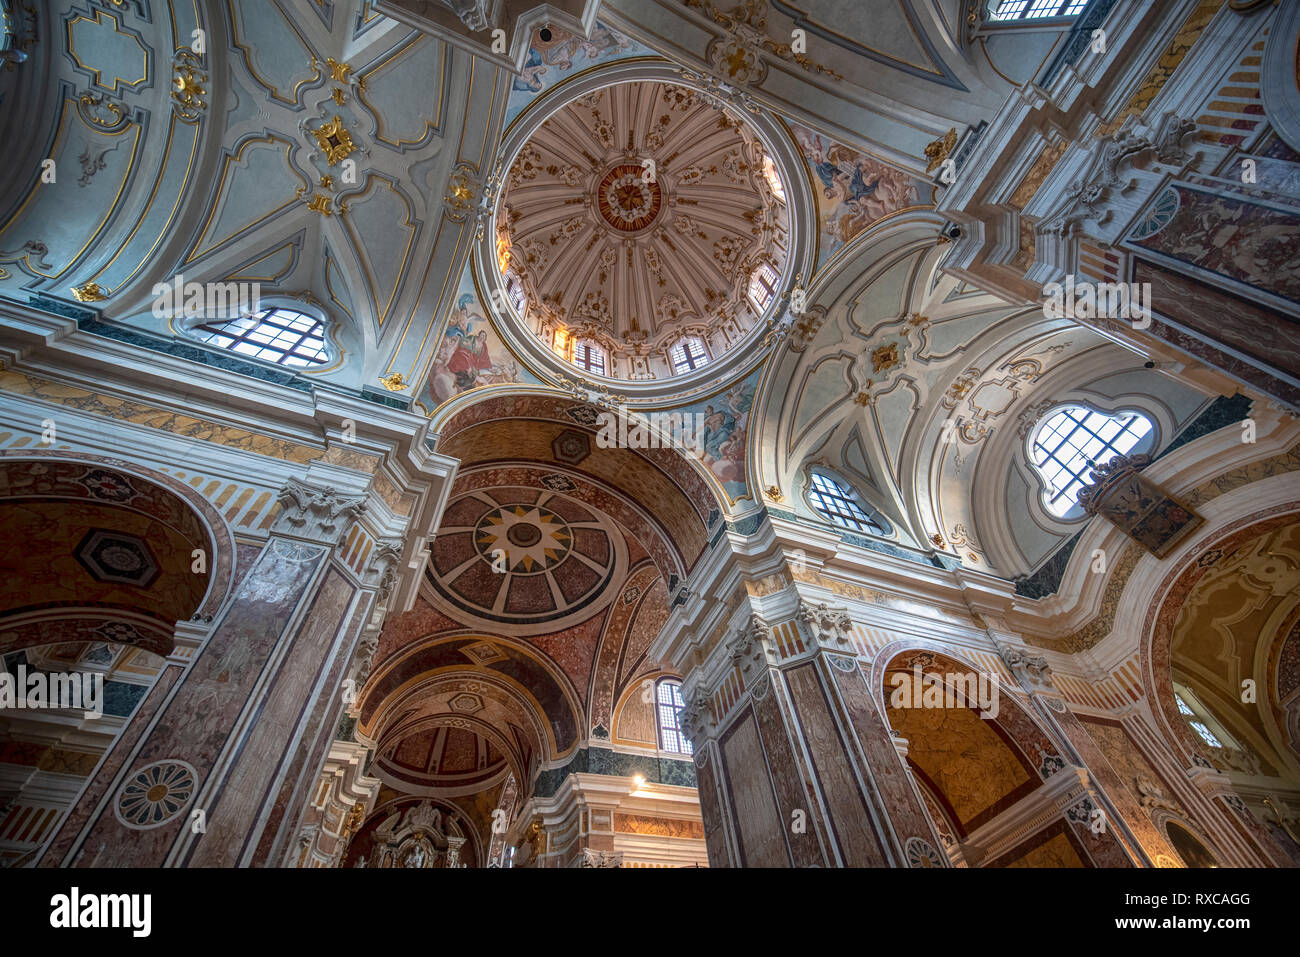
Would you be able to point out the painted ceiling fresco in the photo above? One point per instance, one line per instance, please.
(551, 573)
(470, 354)
(854, 191)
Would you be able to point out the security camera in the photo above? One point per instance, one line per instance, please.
(952, 231)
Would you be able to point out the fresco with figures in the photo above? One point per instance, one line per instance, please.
(550, 60)
(724, 434)
(470, 353)
(853, 190)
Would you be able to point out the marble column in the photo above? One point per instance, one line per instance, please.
(216, 764)
(795, 763)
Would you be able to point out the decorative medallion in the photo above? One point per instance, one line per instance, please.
(120, 632)
(462, 192)
(334, 141)
(571, 446)
(534, 559)
(117, 557)
(937, 151)
(532, 539)
(155, 794)
(1051, 764)
(466, 703)
(921, 853)
(107, 486)
(483, 653)
(583, 414)
(629, 198)
(558, 483)
(188, 90)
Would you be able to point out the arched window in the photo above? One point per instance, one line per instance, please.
(669, 705)
(1199, 719)
(515, 292)
(283, 336)
(1074, 440)
(589, 356)
(1198, 726)
(762, 286)
(687, 355)
(1000, 11)
(839, 503)
(773, 178)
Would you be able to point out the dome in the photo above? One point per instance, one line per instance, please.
(642, 231)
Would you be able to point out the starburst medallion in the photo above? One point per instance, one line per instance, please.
(532, 538)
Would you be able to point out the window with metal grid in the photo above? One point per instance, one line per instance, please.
(669, 704)
(762, 286)
(1198, 726)
(1075, 440)
(687, 355)
(838, 503)
(589, 356)
(278, 335)
(1034, 9)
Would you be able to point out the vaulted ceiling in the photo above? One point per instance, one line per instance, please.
(637, 213)
(552, 572)
(308, 147)
(1239, 623)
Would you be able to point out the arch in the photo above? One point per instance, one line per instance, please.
(1194, 562)
(455, 821)
(513, 683)
(534, 428)
(120, 547)
(997, 762)
(1192, 850)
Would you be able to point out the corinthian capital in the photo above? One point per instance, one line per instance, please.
(825, 624)
(750, 647)
(315, 513)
